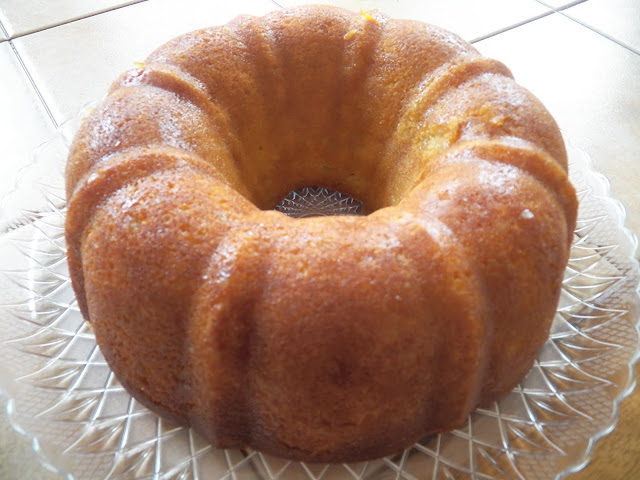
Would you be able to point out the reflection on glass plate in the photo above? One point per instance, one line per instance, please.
(318, 201)
(63, 394)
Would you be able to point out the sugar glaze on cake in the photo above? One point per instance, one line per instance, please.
(322, 338)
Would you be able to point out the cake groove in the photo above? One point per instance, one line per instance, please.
(523, 155)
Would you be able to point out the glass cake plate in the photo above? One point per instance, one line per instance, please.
(84, 425)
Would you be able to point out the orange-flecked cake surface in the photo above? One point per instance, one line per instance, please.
(322, 338)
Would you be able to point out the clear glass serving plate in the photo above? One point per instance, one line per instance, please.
(84, 425)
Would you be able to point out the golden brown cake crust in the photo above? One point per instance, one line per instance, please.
(324, 338)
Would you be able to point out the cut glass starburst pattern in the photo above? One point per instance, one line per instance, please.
(318, 201)
(63, 394)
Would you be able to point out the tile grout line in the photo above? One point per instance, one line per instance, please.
(72, 20)
(562, 11)
(24, 67)
(601, 33)
(511, 27)
(562, 7)
(33, 85)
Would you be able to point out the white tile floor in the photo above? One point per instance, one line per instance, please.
(582, 58)
(20, 17)
(24, 120)
(616, 19)
(561, 4)
(110, 45)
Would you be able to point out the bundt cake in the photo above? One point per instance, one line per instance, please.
(336, 338)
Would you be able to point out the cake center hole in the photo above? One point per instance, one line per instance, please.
(318, 201)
